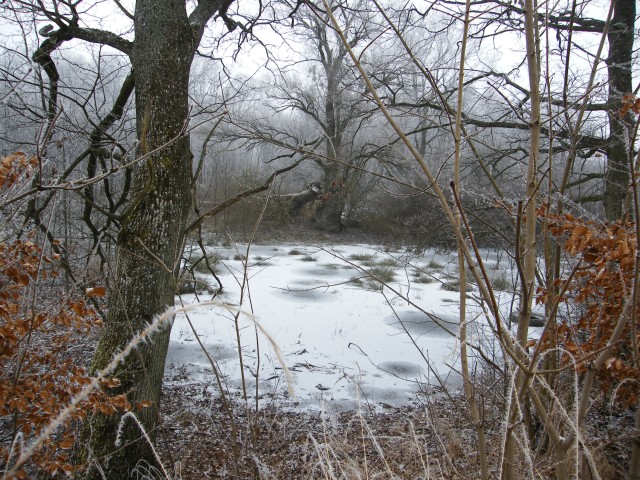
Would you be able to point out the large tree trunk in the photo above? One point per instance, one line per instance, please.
(333, 200)
(329, 213)
(620, 36)
(151, 240)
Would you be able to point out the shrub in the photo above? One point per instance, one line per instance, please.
(38, 379)
(361, 257)
(600, 289)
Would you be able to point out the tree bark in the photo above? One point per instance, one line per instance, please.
(329, 212)
(620, 36)
(332, 201)
(151, 238)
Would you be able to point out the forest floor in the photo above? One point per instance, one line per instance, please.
(198, 441)
(431, 439)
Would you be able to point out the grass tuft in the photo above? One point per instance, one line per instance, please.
(200, 265)
(383, 274)
(188, 284)
(387, 262)
(424, 278)
(502, 283)
(360, 257)
(454, 286)
(433, 263)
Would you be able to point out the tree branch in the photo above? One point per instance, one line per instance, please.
(236, 198)
(102, 37)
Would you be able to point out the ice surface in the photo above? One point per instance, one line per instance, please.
(344, 338)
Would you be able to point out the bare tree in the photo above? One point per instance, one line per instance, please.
(152, 226)
(530, 387)
(331, 97)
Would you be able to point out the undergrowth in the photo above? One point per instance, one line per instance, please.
(38, 378)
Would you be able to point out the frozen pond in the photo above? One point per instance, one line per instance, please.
(344, 338)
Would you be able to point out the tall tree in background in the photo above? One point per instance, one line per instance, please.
(333, 101)
(502, 101)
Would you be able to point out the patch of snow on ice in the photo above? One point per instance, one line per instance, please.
(342, 341)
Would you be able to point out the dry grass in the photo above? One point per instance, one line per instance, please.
(391, 444)
(361, 257)
(433, 440)
(422, 277)
(192, 285)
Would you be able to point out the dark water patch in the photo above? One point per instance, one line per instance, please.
(330, 266)
(401, 369)
(320, 271)
(418, 323)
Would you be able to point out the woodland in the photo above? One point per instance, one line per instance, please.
(136, 136)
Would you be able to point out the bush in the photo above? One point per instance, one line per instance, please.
(38, 379)
(600, 289)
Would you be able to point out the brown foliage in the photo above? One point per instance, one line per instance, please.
(602, 283)
(38, 376)
(13, 166)
(629, 103)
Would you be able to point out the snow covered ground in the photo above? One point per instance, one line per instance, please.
(343, 337)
